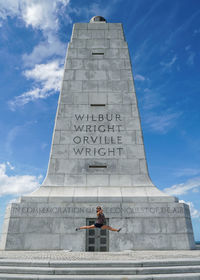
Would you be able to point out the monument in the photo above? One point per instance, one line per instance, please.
(97, 158)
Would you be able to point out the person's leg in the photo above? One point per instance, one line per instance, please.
(86, 227)
(110, 228)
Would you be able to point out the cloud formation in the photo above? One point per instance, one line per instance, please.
(139, 77)
(10, 165)
(168, 65)
(40, 14)
(47, 79)
(17, 184)
(195, 214)
(51, 47)
(161, 122)
(183, 188)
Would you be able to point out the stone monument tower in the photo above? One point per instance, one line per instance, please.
(97, 158)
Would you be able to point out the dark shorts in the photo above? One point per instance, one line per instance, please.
(98, 225)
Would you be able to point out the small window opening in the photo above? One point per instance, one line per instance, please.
(97, 166)
(97, 105)
(97, 53)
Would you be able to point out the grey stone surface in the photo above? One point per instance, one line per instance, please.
(127, 264)
(97, 157)
(122, 265)
(136, 258)
(40, 225)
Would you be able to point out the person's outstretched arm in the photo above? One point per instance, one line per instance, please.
(99, 212)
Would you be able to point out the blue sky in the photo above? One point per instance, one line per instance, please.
(164, 43)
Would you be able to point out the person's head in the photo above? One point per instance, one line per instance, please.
(98, 208)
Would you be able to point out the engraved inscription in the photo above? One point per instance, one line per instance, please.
(152, 211)
(93, 139)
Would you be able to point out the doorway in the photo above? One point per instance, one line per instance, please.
(97, 240)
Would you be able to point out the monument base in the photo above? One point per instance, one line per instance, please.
(48, 223)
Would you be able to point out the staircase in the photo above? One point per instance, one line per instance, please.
(183, 269)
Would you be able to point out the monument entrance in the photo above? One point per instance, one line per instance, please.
(97, 158)
(97, 240)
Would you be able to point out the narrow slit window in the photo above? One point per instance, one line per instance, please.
(97, 105)
(97, 53)
(97, 166)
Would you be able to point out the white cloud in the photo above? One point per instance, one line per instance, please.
(183, 188)
(40, 14)
(18, 184)
(48, 74)
(43, 15)
(8, 8)
(168, 65)
(163, 122)
(52, 46)
(195, 214)
(10, 165)
(47, 79)
(139, 77)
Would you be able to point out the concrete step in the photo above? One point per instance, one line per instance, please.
(181, 276)
(65, 264)
(168, 269)
(99, 270)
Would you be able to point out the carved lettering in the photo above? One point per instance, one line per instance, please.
(77, 140)
(98, 118)
(98, 151)
(78, 151)
(79, 127)
(66, 211)
(103, 124)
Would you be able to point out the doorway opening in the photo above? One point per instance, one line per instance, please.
(97, 240)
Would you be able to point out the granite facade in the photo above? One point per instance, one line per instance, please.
(97, 157)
